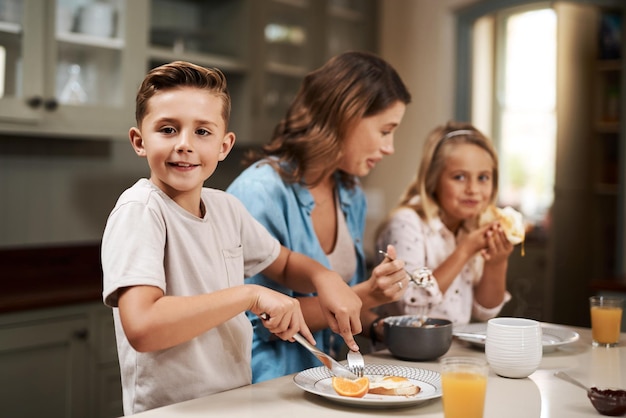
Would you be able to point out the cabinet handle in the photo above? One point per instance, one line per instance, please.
(51, 104)
(34, 101)
(81, 334)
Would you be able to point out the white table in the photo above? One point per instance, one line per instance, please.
(540, 395)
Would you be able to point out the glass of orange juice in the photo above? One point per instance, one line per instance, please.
(606, 320)
(463, 385)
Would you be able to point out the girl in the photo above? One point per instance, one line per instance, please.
(435, 225)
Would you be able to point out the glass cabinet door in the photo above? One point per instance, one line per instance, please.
(90, 40)
(212, 33)
(65, 66)
(19, 61)
(349, 26)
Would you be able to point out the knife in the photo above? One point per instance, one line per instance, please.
(335, 367)
(331, 364)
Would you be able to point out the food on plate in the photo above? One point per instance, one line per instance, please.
(354, 388)
(392, 385)
(511, 220)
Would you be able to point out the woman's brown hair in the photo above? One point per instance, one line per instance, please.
(308, 141)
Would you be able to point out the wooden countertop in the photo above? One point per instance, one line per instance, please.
(41, 277)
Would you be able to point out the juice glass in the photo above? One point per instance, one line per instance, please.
(606, 320)
(463, 385)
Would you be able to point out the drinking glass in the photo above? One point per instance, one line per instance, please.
(464, 385)
(606, 320)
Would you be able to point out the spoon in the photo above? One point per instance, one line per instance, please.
(421, 277)
(607, 402)
(568, 378)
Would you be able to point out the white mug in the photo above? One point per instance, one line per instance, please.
(514, 346)
(97, 18)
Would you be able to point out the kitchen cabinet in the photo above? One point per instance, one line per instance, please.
(68, 67)
(607, 149)
(60, 362)
(72, 67)
(299, 36)
(265, 47)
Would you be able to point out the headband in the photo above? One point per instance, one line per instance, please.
(457, 133)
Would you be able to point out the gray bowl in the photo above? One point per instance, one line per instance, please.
(406, 340)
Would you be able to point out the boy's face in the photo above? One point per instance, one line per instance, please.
(183, 136)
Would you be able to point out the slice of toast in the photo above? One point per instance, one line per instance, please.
(392, 385)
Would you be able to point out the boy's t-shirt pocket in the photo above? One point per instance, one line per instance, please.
(233, 259)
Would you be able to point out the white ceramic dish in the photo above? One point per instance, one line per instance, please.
(554, 336)
(318, 381)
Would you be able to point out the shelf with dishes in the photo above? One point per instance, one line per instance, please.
(90, 41)
(10, 27)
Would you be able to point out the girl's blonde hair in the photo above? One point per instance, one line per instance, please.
(436, 150)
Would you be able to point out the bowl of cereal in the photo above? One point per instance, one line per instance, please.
(413, 338)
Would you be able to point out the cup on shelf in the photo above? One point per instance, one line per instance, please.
(97, 19)
(606, 320)
(463, 385)
(514, 346)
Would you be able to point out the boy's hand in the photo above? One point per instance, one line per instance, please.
(281, 315)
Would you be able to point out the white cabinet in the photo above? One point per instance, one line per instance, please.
(264, 47)
(69, 67)
(59, 362)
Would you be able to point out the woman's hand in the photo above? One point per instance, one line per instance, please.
(388, 281)
(342, 308)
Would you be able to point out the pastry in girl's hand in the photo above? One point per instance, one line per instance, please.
(511, 221)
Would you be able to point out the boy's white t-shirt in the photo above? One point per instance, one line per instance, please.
(151, 240)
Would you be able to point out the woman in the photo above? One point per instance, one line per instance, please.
(303, 186)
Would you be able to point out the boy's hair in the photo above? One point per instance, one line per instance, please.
(436, 149)
(348, 87)
(182, 74)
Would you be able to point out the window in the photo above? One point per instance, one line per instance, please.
(525, 110)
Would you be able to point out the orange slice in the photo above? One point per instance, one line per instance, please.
(356, 388)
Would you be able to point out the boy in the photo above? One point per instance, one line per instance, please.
(174, 255)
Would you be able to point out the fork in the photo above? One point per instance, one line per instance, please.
(356, 364)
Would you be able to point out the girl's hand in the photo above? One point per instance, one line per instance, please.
(281, 314)
(498, 247)
(475, 241)
(389, 280)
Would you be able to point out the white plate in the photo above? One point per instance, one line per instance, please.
(318, 381)
(553, 336)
